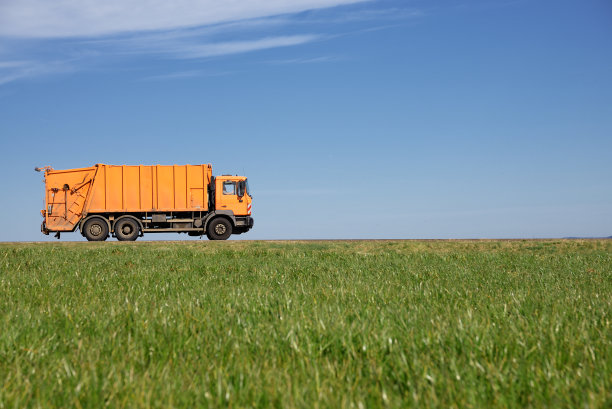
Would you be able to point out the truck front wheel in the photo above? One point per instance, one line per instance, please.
(95, 229)
(219, 229)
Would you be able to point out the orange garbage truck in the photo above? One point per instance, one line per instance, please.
(127, 201)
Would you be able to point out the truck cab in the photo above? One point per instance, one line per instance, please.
(232, 195)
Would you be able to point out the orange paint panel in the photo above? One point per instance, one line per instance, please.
(146, 186)
(198, 195)
(196, 198)
(180, 186)
(131, 187)
(114, 187)
(165, 187)
(98, 193)
(195, 176)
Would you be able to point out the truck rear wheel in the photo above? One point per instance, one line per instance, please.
(127, 229)
(95, 229)
(219, 229)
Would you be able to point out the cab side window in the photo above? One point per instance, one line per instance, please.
(229, 188)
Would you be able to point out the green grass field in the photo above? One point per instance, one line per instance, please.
(306, 324)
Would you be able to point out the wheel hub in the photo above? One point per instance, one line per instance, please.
(220, 228)
(95, 229)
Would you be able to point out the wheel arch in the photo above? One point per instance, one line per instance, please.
(128, 216)
(226, 214)
(94, 216)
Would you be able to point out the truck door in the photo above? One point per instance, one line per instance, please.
(226, 196)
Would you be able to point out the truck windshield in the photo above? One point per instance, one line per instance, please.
(248, 191)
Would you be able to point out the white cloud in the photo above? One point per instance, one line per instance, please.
(370, 14)
(13, 64)
(15, 70)
(44, 37)
(235, 47)
(185, 74)
(191, 44)
(306, 60)
(85, 18)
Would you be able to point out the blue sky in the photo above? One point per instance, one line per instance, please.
(352, 119)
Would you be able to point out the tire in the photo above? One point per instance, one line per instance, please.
(219, 229)
(95, 229)
(127, 229)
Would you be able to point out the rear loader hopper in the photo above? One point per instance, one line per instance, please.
(128, 201)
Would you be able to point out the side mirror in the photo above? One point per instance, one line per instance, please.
(241, 188)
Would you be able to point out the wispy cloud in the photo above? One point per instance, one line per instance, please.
(15, 70)
(177, 45)
(369, 14)
(184, 75)
(172, 45)
(235, 47)
(67, 18)
(40, 37)
(305, 60)
(134, 39)
(13, 64)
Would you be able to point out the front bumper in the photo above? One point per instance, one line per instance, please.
(244, 223)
